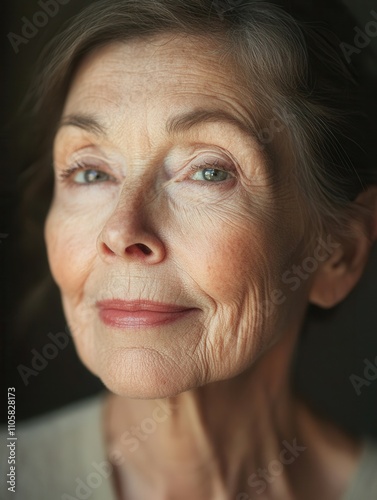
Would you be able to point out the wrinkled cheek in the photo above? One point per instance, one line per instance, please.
(67, 252)
(237, 269)
(67, 256)
(231, 271)
(228, 264)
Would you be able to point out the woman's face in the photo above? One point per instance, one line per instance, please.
(163, 195)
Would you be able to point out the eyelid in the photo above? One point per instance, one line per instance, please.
(80, 161)
(75, 169)
(208, 163)
(89, 158)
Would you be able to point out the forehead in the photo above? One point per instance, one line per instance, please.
(159, 72)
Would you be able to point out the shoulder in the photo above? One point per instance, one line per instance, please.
(57, 451)
(59, 429)
(60, 420)
(334, 455)
(363, 484)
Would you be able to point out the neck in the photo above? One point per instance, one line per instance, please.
(242, 438)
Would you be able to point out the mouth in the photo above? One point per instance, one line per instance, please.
(139, 313)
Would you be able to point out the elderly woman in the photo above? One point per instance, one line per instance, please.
(207, 189)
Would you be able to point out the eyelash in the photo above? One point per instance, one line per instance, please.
(66, 174)
(215, 165)
(78, 167)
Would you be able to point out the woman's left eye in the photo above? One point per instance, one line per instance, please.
(210, 174)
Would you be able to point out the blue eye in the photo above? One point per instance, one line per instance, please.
(84, 174)
(210, 174)
(90, 176)
(212, 171)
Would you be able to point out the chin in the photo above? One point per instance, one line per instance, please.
(144, 374)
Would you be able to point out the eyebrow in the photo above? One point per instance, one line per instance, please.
(85, 122)
(187, 120)
(174, 126)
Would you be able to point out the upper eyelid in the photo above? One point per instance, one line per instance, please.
(216, 159)
(89, 159)
(217, 163)
(82, 157)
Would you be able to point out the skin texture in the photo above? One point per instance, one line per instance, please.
(154, 229)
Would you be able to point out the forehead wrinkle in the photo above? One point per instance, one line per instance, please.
(206, 79)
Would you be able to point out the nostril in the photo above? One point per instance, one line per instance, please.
(144, 248)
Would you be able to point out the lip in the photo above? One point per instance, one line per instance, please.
(139, 313)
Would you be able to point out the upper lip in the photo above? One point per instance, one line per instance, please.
(139, 305)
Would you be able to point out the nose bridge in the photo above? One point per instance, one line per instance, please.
(138, 193)
(142, 158)
(129, 231)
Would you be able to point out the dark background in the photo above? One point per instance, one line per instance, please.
(333, 346)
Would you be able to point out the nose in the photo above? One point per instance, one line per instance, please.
(128, 234)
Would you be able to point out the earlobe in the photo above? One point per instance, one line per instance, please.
(339, 274)
(326, 290)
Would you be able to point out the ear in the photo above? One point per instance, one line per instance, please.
(338, 275)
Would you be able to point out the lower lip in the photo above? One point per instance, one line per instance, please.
(118, 318)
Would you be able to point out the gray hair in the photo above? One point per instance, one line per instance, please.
(295, 75)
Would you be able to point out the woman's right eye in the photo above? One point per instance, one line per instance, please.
(84, 174)
(90, 176)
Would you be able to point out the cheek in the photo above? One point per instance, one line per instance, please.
(237, 261)
(71, 252)
(230, 256)
(222, 263)
(71, 248)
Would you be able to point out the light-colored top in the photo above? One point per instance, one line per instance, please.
(61, 456)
